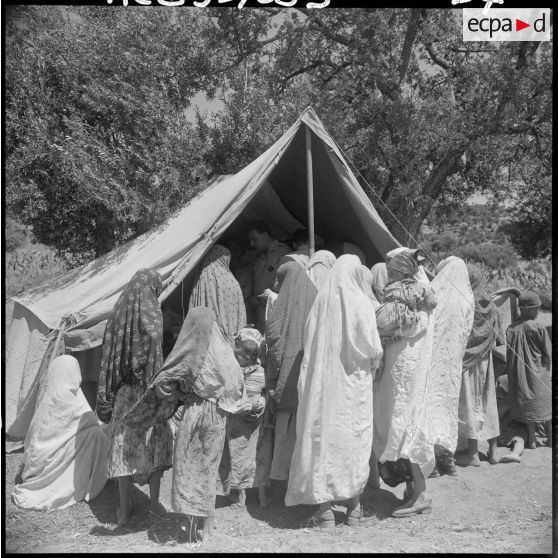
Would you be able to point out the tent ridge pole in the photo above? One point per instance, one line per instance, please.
(310, 189)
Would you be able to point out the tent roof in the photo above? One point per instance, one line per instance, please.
(271, 188)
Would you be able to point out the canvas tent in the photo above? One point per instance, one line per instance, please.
(69, 313)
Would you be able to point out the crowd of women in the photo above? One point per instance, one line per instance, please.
(357, 375)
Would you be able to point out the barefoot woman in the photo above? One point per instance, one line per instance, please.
(131, 355)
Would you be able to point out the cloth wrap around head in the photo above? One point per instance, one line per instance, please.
(132, 350)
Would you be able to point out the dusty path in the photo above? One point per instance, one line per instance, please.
(494, 509)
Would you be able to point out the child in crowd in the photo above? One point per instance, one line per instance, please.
(399, 315)
(513, 434)
(529, 361)
(246, 442)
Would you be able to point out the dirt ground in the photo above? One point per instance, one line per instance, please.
(503, 508)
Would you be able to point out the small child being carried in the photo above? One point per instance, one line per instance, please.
(399, 316)
(406, 302)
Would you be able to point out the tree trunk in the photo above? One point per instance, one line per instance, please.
(104, 234)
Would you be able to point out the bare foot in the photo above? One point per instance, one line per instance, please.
(122, 520)
(511, 458)
(208, 527)
(268, 495)
(493, 457)
(158, 509)
(262, 496)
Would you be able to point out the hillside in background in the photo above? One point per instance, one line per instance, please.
(478, 233)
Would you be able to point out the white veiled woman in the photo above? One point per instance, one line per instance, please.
(342, 349)
(453, 320)
(319, 266)
(66, 452)
(401, 441)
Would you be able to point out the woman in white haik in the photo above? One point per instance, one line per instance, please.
(342, 349)
(401, 441)
(453, 320)
(66, 451)
(319, 267)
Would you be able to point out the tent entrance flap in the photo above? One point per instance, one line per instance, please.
(335, 218)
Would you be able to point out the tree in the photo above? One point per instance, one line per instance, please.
(529, 225)
(426, 118)
(98, 145)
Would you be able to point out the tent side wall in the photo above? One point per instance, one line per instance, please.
(26, 343)
(273, 183)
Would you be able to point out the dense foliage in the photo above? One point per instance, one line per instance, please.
(100, 145)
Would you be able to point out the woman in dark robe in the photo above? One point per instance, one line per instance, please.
(529, 361)
(216, 288)
(478, 411)
(202, 374)
(132, 354)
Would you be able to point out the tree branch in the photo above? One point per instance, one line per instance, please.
(435, 58)
(315, 64)
(326, 31)
(445, 168)
(247, 53)
(410, 35)
(336, 71)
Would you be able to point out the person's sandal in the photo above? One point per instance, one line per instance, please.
(325, 521)
(425, 506)
(449, 466)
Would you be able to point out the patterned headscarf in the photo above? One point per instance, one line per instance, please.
(217, 289)
(403, 261)
(475, 276)
(284, 332)
(132, 344)
(487, 328)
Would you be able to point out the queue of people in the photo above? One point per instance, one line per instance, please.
(346, 375)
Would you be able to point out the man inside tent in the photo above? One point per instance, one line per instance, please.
(270, 252)
(301, 247)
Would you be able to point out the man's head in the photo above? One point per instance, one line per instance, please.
(529, 303)
(259, 236)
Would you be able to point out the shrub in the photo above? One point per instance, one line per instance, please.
(15, 236)
(30, 266)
